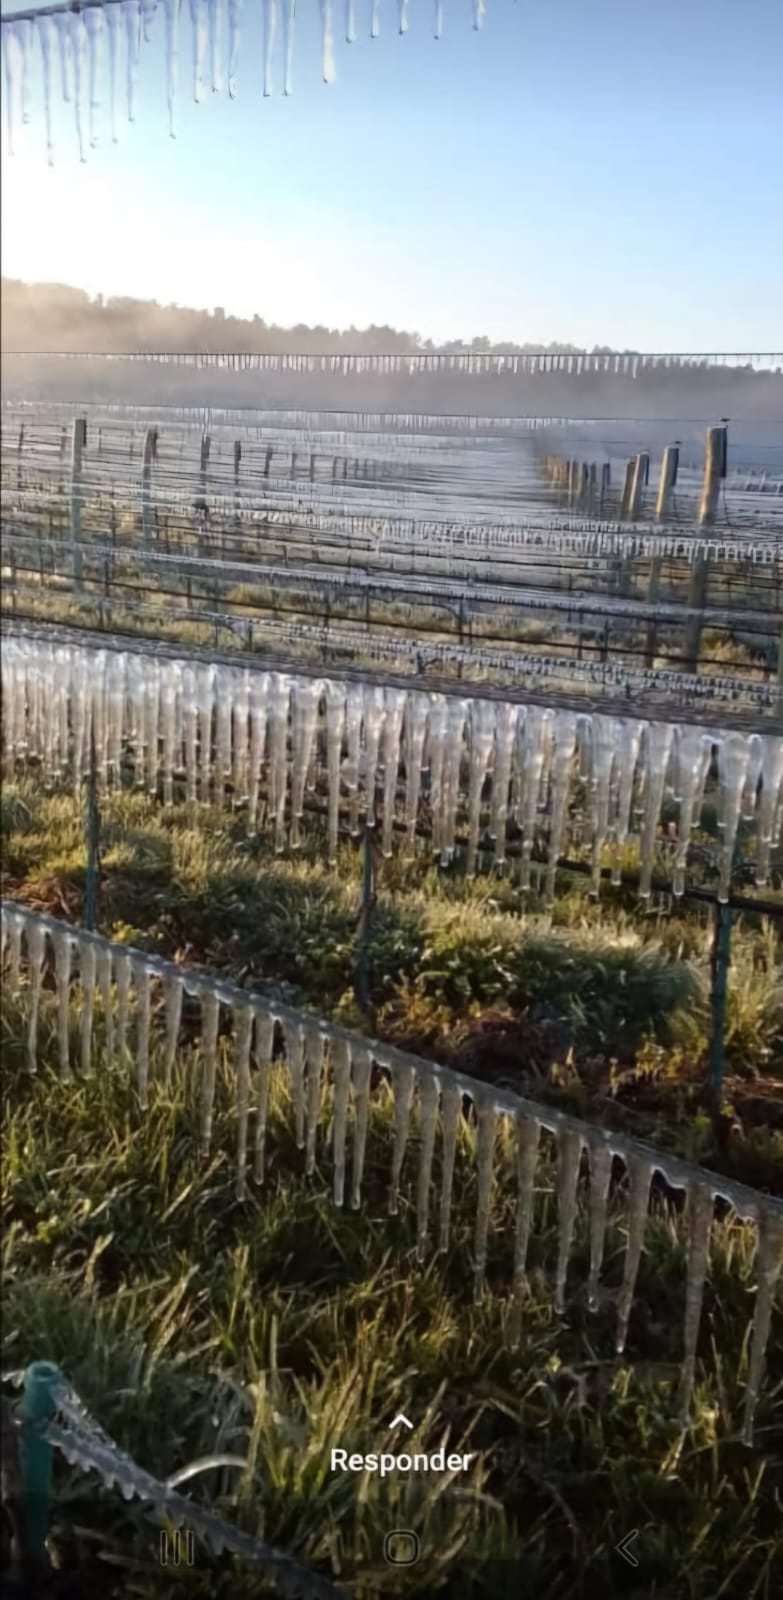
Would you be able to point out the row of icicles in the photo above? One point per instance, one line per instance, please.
(471, 362)
(320, 1057)
(79, 39)
(215, 724)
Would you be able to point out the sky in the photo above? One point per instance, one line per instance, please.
(598, 171)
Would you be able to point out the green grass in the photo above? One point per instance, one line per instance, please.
(189, 1323)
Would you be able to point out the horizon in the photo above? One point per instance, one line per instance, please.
(374, 202)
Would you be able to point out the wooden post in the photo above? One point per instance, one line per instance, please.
(574, 481)
(714, 470)
(293, 463)
(237, 459)
(19, 449)
(78, 443)
(312, 466)
(671, 461)
(641, 474)
(591, 489)
(628, 487)
(335, 461)
(584, 485)
(150, 455)
(268, 461)
(606, 484)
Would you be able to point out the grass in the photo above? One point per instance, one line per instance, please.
(277, 1329)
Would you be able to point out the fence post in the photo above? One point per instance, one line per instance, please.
(627, 487)
(641, 474)
(150, 455)
(237, 459)
(35, 1453)
(714, 471)
(78, 443)
(19, 450)
(606, 484)
(671, 459)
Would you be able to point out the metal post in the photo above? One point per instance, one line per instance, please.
(38, 1406)
(150, 455)
(78, 443)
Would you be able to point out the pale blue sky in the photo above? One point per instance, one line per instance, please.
(591, 170)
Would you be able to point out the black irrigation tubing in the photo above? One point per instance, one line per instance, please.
(424, 683)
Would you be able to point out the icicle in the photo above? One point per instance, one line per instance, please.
(210, 1022)
(131, 10)
(438, 19)
(215, 44)
(769, 1254)
(263, 1050)
(198, 21)
(478, 13)
(142, 978)
(375, 20)
(362, 1075)
(350, 21)
(354, 715)
(536, 750)
(341, 1074)
(450, 1113)
(79, 63)
(505, 738)
(659, 742)
(294, 1050)
(640, 1172)
(732, 766)
(270, 29)
(290, 18)
(14, 923)
(569, 1147)
(402, 1089)
(456, 717)
(87, 974)
(45, 25)
(95, 28)
(335, 723)
(173, 988)
(122, 978)
(105, 976)
(243, 1031)
(392, 729)
(416, 713)
(600, 1177)
(565, 745)
(62, 23)
(428, 1099)
(755, 762)
(278, 754)
(306, 699)
(36, 954)
(528, 1135)
(694, 749)
(485, 1150)
(603, 754)
(63, 947)
(482, 738)
(314, 1051)
(234, 26)
(172, 10)
(259, 691)
(771, 786)
(700, 1221)
(327, 54)
(374, 714)
(627, 756)
(403, 4)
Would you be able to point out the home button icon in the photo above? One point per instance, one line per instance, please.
(401, 1548)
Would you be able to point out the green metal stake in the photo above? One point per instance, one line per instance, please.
(38, 1406)
(720, 962)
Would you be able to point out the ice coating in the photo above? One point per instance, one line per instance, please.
(122, 978)
(375, 19)
(341, 1073)
(485, 1149)
(769, 804)
(569, 1155)
(600, 1177)
(210, 1022)
(640, 1173)
(234, 35)
(105, 981)
(372, 720)
(528, 1131)
(506, 718)
(199, 27)
(693, 757)
(403, 6)
(403, 1082)
(450, 1113)
(416, 714)
(36, 955)
(699, 1224)
(293, 1033)
(733, 757)
(87, 976)
(62, 942)
(769, 1257)
(335, 724)
(216, 44)
(428, 1102)
(361, 1078)
(243, 1034)
(306, 699)
(171, 10)
(314, 1042)
(482, 739)
(479, 8)
(290, 24)
(14, 940)
(350, 21)
(396, 700)
(279, 700)
(270, 29)
(327, 51)
(142, 980)
(173, 989)
(439, 4)
(659, 743)
(263, 1048)
(562, 764)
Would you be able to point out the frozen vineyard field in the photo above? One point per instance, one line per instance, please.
(331, 1069)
